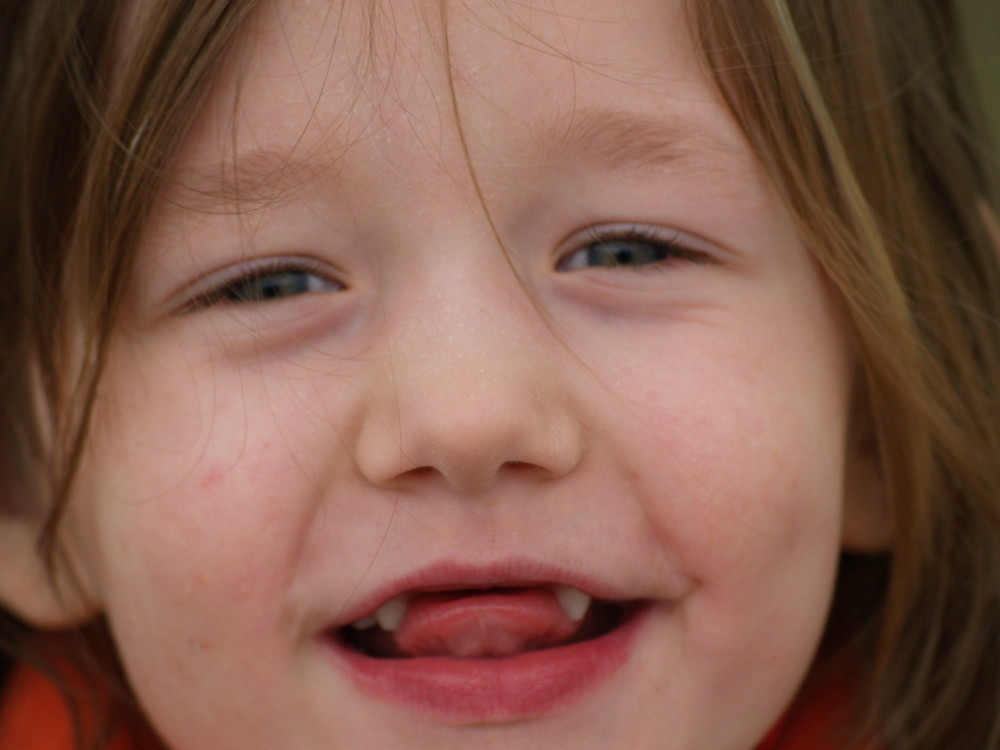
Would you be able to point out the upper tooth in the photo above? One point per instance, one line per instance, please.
(364, 623)
(574, 602)
(390, 614)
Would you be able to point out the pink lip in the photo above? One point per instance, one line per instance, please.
(522, 686)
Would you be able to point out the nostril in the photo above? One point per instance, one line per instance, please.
(522, 468)
(420, 471)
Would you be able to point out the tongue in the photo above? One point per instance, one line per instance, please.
(470, 624)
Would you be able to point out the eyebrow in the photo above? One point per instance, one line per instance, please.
(621, 140)
(260, 177)
(615, 139)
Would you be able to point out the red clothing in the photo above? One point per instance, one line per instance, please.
(819, 720)
(34, 717)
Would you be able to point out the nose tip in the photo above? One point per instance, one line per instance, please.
(470, 427)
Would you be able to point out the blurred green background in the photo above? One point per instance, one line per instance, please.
(982, 22)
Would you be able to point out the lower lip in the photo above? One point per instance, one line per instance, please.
(499, 689)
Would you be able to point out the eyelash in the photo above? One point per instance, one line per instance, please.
(229, 292)
(661, 248)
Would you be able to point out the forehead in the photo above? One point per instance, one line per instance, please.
(317, 87)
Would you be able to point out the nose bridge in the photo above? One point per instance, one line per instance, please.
(464, 322)
(470, 388)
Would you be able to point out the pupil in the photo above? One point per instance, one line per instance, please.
(271, 286)
(623, 253)
(281, 284)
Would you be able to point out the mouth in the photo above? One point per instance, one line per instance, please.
(485, 651)
(483, 622)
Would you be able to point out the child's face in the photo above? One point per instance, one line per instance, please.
(643, 396)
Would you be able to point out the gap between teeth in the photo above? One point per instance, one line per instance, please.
(574, 603)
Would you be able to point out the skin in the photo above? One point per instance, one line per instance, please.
(677, 429)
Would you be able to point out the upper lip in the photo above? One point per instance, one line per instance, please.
(446, 575)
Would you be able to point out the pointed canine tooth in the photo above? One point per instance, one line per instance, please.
(574, 602)
(364, 623)
(390, 614)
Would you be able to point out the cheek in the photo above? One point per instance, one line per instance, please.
(752, 451)
(184, 515)
(742, 497)
(164, 547)
(209, 492)
(193, 564)
(740, 470)
(740, 479)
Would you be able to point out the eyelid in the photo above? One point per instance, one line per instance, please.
(206, 291)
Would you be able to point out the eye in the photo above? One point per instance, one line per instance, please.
(270, 281)
(627, 246)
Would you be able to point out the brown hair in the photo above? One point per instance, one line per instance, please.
(855, 107)
(86, 139)
(859, 111)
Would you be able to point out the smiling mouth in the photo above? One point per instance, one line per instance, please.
(483, 622)
(484, 647)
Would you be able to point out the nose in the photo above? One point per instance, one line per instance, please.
(472, 389)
